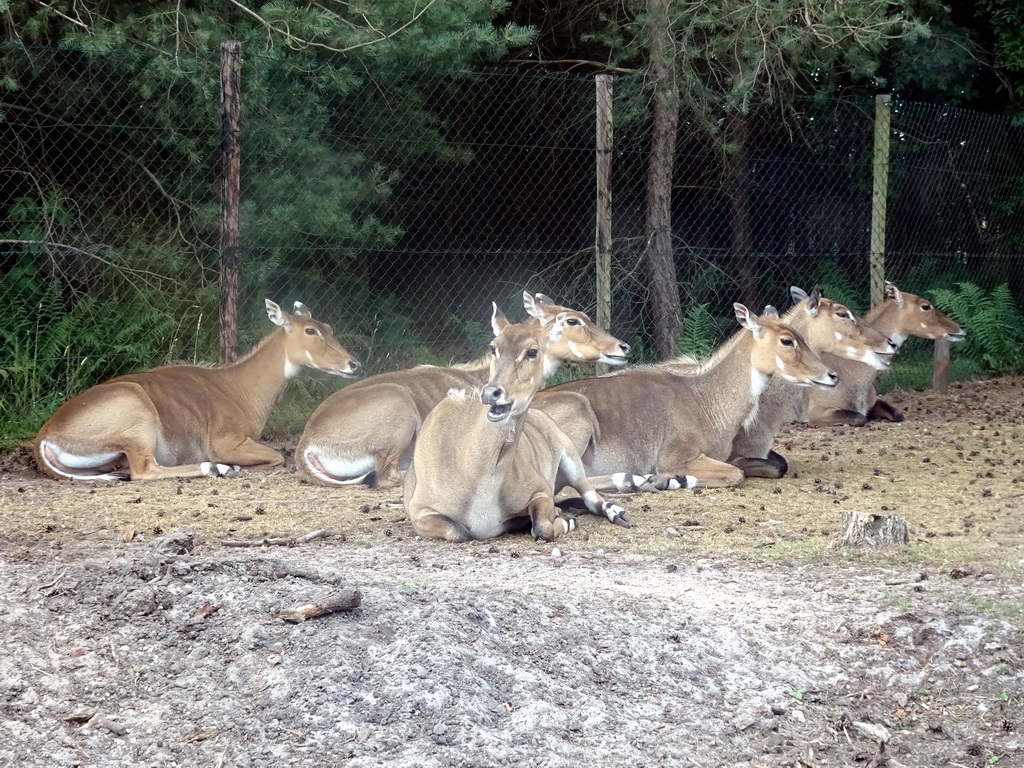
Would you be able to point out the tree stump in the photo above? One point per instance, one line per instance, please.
(868, 530)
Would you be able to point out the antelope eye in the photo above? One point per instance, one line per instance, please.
(926, 307)
(845, 315)
(531, 354)
(493, 350)
(787, 342)
(572, 321)
(310, 331)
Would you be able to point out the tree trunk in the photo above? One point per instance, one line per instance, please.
(661, 267)
(872, 531)
(744, 260)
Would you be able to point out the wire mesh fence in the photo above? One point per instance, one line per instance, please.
(398, 206)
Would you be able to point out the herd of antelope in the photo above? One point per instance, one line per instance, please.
(482, 449)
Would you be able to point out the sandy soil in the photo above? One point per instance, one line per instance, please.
(724, 629)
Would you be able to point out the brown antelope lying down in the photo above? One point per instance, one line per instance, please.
(829, 328)
(674, 423)
(485, 463)
(187, 420)
(365, 433)
(855, 401)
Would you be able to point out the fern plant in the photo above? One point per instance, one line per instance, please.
(700, 332)
(995, 335)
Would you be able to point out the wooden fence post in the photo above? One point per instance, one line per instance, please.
(879, 197)
(603, 238)
(940, 371)
(231, 195)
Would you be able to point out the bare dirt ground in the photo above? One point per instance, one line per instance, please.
(722, 630)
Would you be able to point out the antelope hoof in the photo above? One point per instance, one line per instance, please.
(209, 468)
(617, 515)
(673, 482)
(626, 483)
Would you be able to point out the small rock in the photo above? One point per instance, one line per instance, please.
(556, 552)
(671, 532)
(873, 731)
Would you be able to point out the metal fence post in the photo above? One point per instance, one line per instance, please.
(879, 197)
(230, 201)
(603, 237)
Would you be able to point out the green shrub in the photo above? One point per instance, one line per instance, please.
(995, 336)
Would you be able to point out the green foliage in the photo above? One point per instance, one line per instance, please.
(836, 286)
(700, 332)
(51, 352)
(995, 337)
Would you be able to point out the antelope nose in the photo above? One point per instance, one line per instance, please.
(625, 348)
(491, 394)
(355, 366)
(893, 345)
(833, 377)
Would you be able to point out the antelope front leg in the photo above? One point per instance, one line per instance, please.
(838, 418)
(773, 467)
(246, 452)
(883, 411)
(548, 521)
(433, 525)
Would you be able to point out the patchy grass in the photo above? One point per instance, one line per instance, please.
(953, 469)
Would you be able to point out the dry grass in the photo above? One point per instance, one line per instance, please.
(953, 469)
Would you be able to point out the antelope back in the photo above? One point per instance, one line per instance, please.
(831, 328)
(581, 340)
(311, 343)
(903, 315)
(517, 364)
(781, 351)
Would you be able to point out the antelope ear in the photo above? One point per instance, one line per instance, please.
(814, 301)
(797, 294)
(276, 314)
(532, 306)
(557, 327)
(770, 311)
(498, 320)
(302, 310)
(894, 293)
(747, 319)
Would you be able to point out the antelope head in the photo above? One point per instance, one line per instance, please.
(517, 364)
(831, 327)
(918, 317)
(310, 343)
(781, 351)
(581, 341)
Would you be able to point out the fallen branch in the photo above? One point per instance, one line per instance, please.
(345, 600)
(279, 541)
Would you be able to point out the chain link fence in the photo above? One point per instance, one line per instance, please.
(399, 206)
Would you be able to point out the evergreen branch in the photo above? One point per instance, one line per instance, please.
(122, 268)
(66, 18)
(304, 43)
(578, 62)
(175, 202)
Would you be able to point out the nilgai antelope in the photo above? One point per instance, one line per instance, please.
(855, 401)
(188, 420)
(486, 464)
(365, 433)
(830, 328)
(672, 421)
